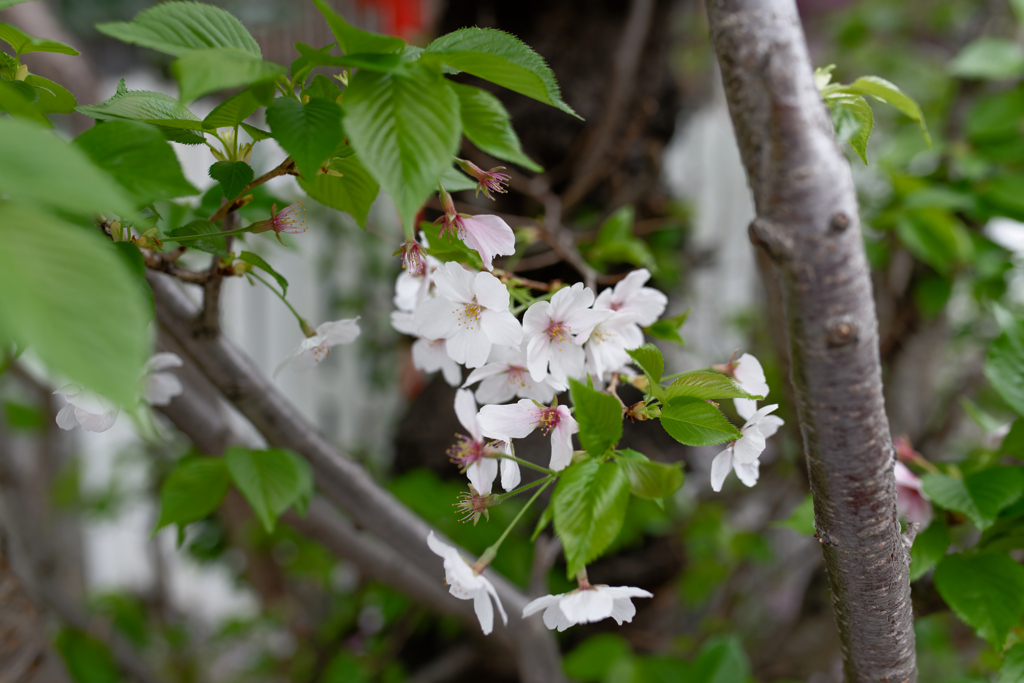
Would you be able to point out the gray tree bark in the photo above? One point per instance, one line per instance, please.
(808, 224)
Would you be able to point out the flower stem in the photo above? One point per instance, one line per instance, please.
(302, 321)
(525, 463)
(186, 238)
(502, 497)
(492, 551)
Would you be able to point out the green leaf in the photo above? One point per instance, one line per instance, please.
(936, 237)
(455, 180)
(405, 128)
(53, 98)
(500, 58)
(887, 93)
(212, 245)
(88, 660)
(988, 58)
(542, 523)
(650, 360)
(985, 591)
(23, 43)
(132, 257)
(51, 173)
(176, 121)
(929, 547)
(323, 87)
(598, 656)
(1013, 442)
(28, 418)
(18, 99)
(371, 61)
(138, 157)
(201, 72)
(599, 416)
(853, 121)
(1012, 670)
(487, 124)
(351, 39)
(256, 133)
(233, 110)
(69, 278)
(801, 520)
(233, 176)
(1004, 366)
(695, 422)
(271, 480)
(178, 27)
(668, 328)
(354, 192)
(258, 261)
(651, 480)
(980, 496)
(192, 491)
(721, 660)
(706, 385)
(590, 505)
(308, 132)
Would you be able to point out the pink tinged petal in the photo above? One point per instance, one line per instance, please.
(437, 318)
(69, 391)
(748, 472)
(750, 376)
(465, 410)
(454, 282)
(404, 322)
(501, 327)
(470, 347)
(490, 293)
(510, 475)
(509, 422)
(161, 387)
(489, 236)
(720, 468)
(561, 440)
(482, 474)
(748, 447)
(587, 606)
(906, 478)
(159, 362)
(583, 322)
(96, 422)
(66, 419)
(538, 355)
(339, 331)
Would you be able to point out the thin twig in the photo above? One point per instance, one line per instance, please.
(286, 167)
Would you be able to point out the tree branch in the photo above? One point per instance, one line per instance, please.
(343, 481)
(808, 224)
(286, 167)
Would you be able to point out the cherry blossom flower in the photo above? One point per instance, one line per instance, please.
(473, 505)
(471, 453)
(749, 376)
(312, 350)
(414, 259)
(630, 298)
(507, 378)
(412, 289)
(606, 348)
(489, 236)
(159, 387)
(587, 605)
(517, 421)
(487, 181)
(466, 583)
(470, 313)
(911, 501)
(427, 355)
(84, 409)
(743, 453)
(556, 331)
(290, 219)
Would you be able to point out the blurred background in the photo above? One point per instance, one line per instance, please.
(651, 179)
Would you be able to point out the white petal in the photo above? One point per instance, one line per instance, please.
(489, 370)
(481, 475)
(163, 361)
(720, 468)
(66, 419)
(339, 331)
(748, 447)
(625, 592)
(465, 410)
(645, 306)
(96, 422)
(570, 299)
(541, 392)
(404, 322)
(501, 327)
(510, 475)
(567, 360)
(469, 347)
(745, 407)
(554, 618)
(769, 425)
(509, 422)
(538, 354)
(622, 610)
(750, 376)
(541, 603)
(489, 587)
(561, 440)
(451, 371)
(495, 390)
(490, 293)
(69, 391)
(161, 387)
(748, 472)
(587, 606)
(484, 612)
(437, 318)
(760, 414)
(584, 321)
(537, 318)
(454, 283)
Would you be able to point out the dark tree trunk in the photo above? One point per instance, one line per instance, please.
(808, 224)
